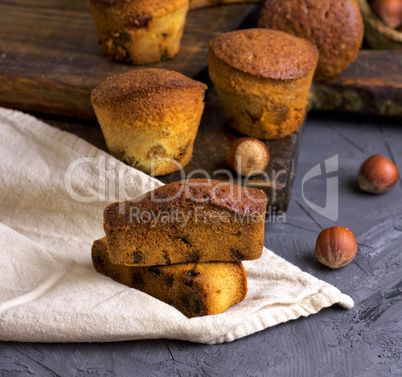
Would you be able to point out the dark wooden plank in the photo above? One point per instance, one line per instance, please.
(196, 4)
(50, 59)
(371, 85)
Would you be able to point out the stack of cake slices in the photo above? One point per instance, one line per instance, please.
(183, 243)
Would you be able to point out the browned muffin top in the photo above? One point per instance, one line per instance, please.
(143, 8)
(145, 81)
(267, 53)
(335, 27)
(190, 195)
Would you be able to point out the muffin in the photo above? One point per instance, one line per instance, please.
(139, 31)
(263, 79)
(335, 27)
(150, 118)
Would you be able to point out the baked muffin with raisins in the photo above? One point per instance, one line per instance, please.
(150, 118)
(139, 31)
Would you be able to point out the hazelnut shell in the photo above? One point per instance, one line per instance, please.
(248, 156)
(377, 175)
(389, 11)
(336, 247)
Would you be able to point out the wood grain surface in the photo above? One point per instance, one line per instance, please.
(50, 59)
(371, 85)
(196, 4)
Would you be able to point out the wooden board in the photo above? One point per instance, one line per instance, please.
(371, 85)
(50, 59)
(196, 4)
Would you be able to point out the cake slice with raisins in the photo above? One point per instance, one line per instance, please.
(196, 220)
(195, 289)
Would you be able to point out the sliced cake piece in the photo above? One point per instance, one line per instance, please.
(195, 289)
(196, 220)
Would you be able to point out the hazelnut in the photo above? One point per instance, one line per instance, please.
(335, 247)
(389, 11)
(248, 156)
(377, 175)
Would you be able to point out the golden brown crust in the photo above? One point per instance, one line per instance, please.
(195, 289)
(335, 27)
(187, 221)
(266, 53)
(141, 8)
(150, 118)
(139, 32)
(261, 107)
(188, 194)
(142, 83)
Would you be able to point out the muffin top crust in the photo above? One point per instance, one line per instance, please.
(335, 27)
(143, 82)
(266, 53)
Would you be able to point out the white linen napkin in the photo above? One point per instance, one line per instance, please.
(54, 187)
